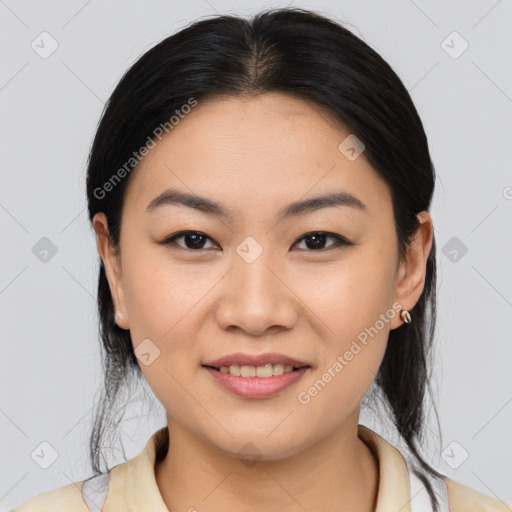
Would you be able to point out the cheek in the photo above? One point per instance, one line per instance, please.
(163, 300)
(349, 294)
(352, 300)
(161, 293)
(168, 303)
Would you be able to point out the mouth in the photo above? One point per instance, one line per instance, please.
(251, 365)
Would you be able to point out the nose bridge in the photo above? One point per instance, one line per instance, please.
(255, 298)
(254, 271)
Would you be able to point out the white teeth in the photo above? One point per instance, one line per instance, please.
(247, 371)
(234, 369)
(278, 369)
(267, 370)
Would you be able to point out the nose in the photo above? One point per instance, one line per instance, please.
(256, 298)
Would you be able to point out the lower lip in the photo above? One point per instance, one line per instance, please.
(257, 387)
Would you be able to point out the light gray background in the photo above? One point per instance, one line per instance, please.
(49, 111)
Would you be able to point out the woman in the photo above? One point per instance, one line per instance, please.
(260, 193)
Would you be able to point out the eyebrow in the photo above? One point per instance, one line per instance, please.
(173, 196)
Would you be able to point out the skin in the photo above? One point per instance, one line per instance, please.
(254, 156)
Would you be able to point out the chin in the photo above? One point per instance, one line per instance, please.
(259, 446)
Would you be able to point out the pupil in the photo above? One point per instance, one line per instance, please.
(196, 237)
(320, 239)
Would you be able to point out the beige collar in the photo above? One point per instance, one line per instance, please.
(394, 492)
(133, 483)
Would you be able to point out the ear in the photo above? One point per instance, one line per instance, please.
(112, 265)
(412, 270)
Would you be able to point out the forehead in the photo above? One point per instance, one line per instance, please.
(269, 149)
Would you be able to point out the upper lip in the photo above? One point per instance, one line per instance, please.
(255, 360)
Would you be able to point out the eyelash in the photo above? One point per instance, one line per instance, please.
(340, 241)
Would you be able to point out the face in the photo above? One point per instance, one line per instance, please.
(322, 284)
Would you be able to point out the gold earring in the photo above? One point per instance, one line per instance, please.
(405, 316)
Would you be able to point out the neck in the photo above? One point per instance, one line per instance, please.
(339, 473)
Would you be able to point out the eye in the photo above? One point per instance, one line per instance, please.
(193, 240)
(316, 239)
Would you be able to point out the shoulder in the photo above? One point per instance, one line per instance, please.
(64, 499)
(463, 498)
